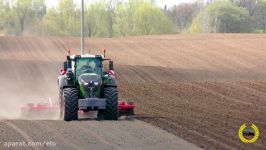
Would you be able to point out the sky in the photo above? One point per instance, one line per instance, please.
(161, 3)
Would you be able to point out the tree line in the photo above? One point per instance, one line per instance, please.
(231, 16)
(115, 18)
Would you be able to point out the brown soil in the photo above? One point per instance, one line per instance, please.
(199, 87)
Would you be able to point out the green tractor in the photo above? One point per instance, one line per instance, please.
(84, 85)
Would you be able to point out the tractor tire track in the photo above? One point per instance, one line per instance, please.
(21, 132)
(54, 132)
(101, 139)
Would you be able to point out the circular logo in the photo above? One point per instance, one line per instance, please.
(248, 135)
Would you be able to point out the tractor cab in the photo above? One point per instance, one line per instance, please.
(88, 65)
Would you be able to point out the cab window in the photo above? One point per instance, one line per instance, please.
(88, 65)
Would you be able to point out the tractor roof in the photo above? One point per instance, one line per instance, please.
(88, 56)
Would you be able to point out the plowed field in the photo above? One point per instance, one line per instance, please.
(201, 88)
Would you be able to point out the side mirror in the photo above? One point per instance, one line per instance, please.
(111, 65)
(65, 65)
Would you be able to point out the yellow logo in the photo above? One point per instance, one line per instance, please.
(248, 135)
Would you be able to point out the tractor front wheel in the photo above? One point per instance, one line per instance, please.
(111, 111)
(70, 96)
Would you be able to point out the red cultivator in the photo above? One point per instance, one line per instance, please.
(48, 108)
(126, 108)
(41, 109)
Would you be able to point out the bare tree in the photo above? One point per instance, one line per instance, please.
(260, 15)
(250, 5)
(183, 14)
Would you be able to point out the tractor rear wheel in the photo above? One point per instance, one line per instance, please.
(70, 96)
(111, 112)
(61, 104)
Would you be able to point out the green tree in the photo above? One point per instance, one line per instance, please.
(149, 19)
(97, 20)
(121, 25)
(62, 20)
(50, 24)
(4, 10)
(18, 15)
(222, 17)
(260, 15)
(68, 17)
(111, 15)
(195, 26)
(131, 10)
(103, 18)
(22, 10)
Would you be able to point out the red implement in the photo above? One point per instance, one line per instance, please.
(42, 108)
(48, 108)
(126, 108)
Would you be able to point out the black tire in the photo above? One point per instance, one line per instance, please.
(61, 104)
(111, 112)
(70, 96)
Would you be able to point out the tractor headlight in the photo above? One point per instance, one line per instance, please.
(90, 84)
